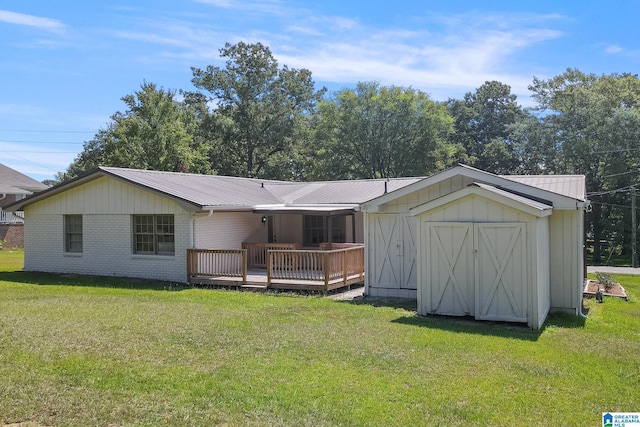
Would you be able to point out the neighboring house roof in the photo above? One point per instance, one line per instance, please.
(561, 191)
(14, 182)
(215, 192)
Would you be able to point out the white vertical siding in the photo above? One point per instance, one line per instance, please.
(227, 230)
(541, 268)
(566, 263)
(106, 196)
(391, 256)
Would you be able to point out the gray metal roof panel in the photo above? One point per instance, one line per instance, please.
(353, 191)
(202, 190)
(568, 185)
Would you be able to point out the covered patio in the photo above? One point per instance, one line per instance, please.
(278, 266)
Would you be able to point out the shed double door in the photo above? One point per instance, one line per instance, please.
(476, 269)
(394, 251)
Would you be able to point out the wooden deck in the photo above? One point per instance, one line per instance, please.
(257, 280)
(320, 271)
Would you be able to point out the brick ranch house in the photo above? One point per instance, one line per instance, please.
(462, 242)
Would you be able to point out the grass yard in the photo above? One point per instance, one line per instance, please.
(87, 351)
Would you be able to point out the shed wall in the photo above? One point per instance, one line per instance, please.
(566, 259)
(403, 204)
(478, 210)
(541, 268)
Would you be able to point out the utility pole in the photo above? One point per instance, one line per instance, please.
(634, 249)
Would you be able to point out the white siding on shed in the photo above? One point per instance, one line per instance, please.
(566, 237)
(391, 256)
(478, 257)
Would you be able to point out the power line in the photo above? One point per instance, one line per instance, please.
(47, 131)
(37, 152)
(621, 173)
(617, 190)
(21, 141)
(611, 204)
(32, 162)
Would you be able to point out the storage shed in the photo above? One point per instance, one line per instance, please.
(469, 243)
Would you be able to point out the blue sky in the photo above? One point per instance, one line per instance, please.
(66, 64)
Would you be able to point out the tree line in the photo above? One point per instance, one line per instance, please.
(256, 118)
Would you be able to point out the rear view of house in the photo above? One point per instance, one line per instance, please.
(462, 242)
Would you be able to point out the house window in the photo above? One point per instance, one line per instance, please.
(316, 229)
(73, 233)
(153, 234)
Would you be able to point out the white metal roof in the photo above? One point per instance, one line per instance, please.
(535, 187)
(569, 185)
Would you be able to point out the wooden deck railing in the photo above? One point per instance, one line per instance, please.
(257, 252)
(286, 268)
(333, 268)
(11, 217)
(217, 263)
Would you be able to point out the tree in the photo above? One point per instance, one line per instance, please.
(381, 132)
(594, 123)
(483, 121)
(155, 132)
(258, 108)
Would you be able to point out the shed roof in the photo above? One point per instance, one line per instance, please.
(564, 191)
(14, 182)
(521, 203)
(569, 185)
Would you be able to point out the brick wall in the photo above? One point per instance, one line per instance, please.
(106, 248)
(12, 235)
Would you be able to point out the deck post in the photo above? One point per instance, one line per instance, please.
(189, 255)
(325, 262)
(244, 266)
(269, 267)
(344, 267)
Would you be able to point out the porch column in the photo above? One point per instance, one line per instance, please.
(353, 227)
(330, 228)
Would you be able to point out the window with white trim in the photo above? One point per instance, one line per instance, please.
(73, 233)
(153, 235)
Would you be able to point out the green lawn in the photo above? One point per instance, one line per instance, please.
(88, 351)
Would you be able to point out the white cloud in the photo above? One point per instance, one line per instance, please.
(461, 56)
(47, 24)
(613, 49)
(432, 53)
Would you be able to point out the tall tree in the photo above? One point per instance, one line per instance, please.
(155, 132)
(595, 125)
(483, 123)
(258, 108)
(379, 132)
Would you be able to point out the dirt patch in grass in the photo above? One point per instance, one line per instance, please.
(615, 290)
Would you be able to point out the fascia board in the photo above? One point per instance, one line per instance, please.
(472, 190)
